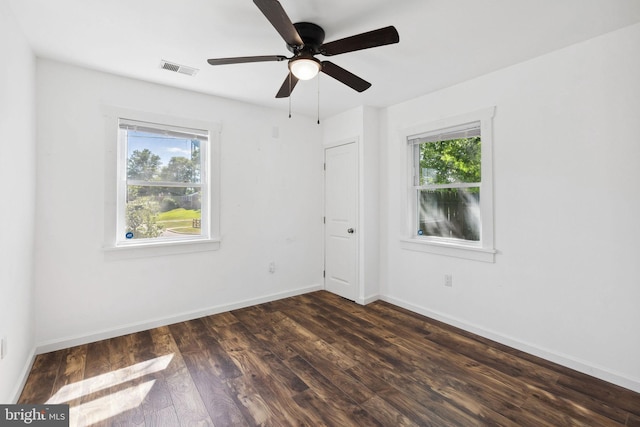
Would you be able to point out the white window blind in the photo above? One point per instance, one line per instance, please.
(467, 130)
(160, 129)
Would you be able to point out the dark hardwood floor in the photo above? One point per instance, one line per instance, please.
(315, 360)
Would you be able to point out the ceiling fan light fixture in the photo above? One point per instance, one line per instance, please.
(305, 40)
(305, 68)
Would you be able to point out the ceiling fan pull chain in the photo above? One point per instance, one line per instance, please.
(289, 95)
(318, 98)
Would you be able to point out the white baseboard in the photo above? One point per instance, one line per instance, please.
(560, 359)
(368, 300)
(60, 344)
(24, 375)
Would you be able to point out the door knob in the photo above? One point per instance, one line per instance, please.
(350, 231)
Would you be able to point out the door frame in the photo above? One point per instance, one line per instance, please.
(356, 141)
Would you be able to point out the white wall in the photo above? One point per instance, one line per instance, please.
(270, 211)
(566, 280)
(17, 203)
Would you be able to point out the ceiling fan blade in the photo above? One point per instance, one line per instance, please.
(273, 11)
(244, 59)
(375, 38)
(344, 76)
(287, 86)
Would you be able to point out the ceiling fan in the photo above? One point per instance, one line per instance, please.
(306, 40)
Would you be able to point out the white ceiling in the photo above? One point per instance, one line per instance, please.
(442, 42)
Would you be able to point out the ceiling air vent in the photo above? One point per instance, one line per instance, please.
(177, 68)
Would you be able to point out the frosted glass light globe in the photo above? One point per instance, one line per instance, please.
(304, 68)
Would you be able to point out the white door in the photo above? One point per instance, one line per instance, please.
(341, 210)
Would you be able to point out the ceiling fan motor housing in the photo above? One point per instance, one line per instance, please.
(312, 36)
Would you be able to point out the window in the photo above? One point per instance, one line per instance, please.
(163, 194)
(450, 195)
(447, 181)
(162, 190)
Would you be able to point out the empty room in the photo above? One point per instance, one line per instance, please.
(344, 213)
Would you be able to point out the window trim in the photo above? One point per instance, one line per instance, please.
(479, 251)
(113, 186)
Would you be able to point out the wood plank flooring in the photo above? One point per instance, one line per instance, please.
(316, 360)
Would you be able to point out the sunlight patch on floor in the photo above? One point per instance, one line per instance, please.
(114, 403)
(110, 379)
(109, 406)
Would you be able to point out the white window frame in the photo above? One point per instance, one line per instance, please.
(116, 185)
(480, 251)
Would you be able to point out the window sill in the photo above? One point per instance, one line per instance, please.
(448, 249)
(144, 250)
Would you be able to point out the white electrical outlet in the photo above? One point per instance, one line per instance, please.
(3, 347)
(272, 267)
(448, 280)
